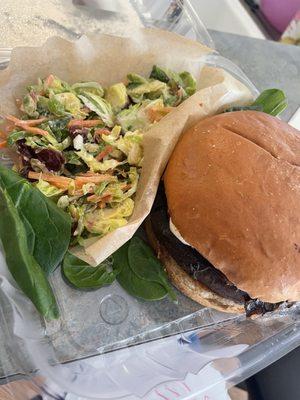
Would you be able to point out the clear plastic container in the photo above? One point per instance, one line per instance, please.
(109, 345)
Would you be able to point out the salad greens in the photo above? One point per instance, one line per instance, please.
(80, 151)
(81, 275)
(82, 144)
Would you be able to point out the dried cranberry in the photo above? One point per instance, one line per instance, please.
(52, 159)
(26, 151)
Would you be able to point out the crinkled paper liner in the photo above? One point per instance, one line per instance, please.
(107, 59)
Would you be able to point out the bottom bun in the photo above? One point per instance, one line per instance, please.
(186, 284)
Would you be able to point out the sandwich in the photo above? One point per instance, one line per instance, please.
(226, 220)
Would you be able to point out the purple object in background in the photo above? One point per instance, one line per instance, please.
(279, 12)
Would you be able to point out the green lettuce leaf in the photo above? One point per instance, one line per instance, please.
(100, 106)
(88, 87)
(102, 221)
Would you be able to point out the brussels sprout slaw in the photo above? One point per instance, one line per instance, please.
(82, 145)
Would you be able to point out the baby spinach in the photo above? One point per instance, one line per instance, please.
(135, 286)
(139, 272)
(48, 228)
(21, 263)
(134, 265)
(146, 265)
(82, 276)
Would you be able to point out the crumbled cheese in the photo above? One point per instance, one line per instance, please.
(78, 142)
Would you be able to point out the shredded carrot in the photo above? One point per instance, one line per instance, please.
(126, 187)
(94, 198)
(79, 192)
(107, 149)
(87, 123)
(3, 144)
(28, 125)
(105, 199)
(34, 122)
(28, 122)
(3, 135)
(82, 180)
(59, 181)
(35, 131)
(13, 119)
(88, 173)
(102, 131)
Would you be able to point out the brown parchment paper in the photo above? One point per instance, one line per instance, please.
(107, 59)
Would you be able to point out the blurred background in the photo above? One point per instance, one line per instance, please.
(31, 22)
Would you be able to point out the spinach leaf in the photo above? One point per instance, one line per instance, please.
(48, 228)
(131, 282)
(82, 276)
(272, 101)
(22, 265)
(146, 265)
(100, 106)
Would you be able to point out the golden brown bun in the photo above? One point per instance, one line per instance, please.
(186, 284)
(233, 191)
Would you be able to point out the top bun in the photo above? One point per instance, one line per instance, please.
(233, 192)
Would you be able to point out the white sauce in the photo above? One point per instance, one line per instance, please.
(176, 233)
(78, 142)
